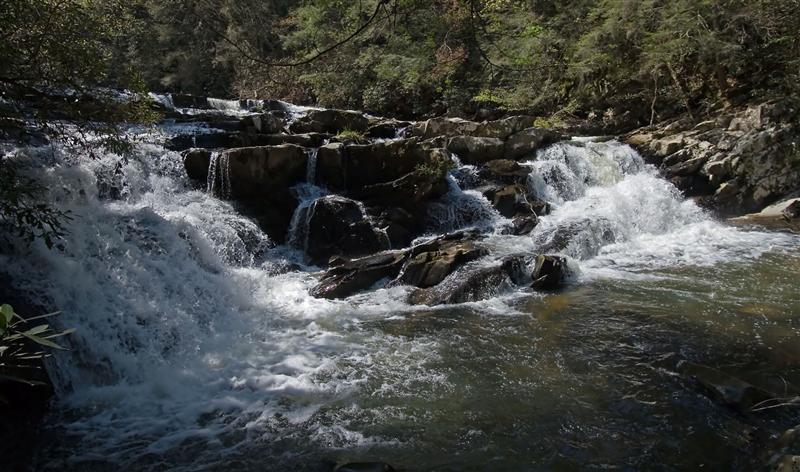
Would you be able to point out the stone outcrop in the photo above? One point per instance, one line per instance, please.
(424, 265)
(330, 121)
(450, 127)
(782, 216)
(262, 171)
(339, 226)
(739, 162)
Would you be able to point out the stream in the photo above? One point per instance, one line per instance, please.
(198, 346)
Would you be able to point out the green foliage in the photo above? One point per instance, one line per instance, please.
(21, 209)
(435, 169)
(351, 135)
(23, 347)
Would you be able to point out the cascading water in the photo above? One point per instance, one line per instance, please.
(192, 354)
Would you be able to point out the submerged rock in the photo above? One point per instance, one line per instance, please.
(723, 387)
(365, 467)
(550, 272)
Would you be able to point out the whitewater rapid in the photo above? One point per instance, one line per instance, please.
(194, 336)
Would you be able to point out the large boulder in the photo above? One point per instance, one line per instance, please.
(252, 172)
(340, 226)
(430, 263)
(450, 127)
(330, 121)
(524, 143)
(196, 162)
(510, 200)
(353, 276)
(476, 150)
(783, 215)
(473, 283)
(268, 123)
(504, 171)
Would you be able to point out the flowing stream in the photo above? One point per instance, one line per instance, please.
(196, 349)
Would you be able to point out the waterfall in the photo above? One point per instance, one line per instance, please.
(218, 181)
(189, 343)
(311, 167)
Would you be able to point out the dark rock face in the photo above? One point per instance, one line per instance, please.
(338, 226)
(386, 129)
(550, 272)
(510, 201)
(504, 171)
(365, 467)
(263, 171)
(196, 162)
(330, 121)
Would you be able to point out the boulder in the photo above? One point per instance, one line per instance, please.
(196, 162)
(430, 264)
(450, 127)
(473, 283)
(268, 123)
(212, 140)
(347, 167)
(261, 171)
(550, 272)
(522, 225)
(330, 121)
(387, 129)
(475, 150)
(340, 226)
(504, 171)
(189, 101)
(510, 201)
(524, 143)
(352, 276)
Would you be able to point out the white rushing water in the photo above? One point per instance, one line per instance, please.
(190, 332)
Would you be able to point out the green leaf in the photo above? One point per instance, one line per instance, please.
(42, 341)
(7, 313)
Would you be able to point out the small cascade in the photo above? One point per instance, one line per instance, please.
(311, 167)
(218, 181)
(307, 193)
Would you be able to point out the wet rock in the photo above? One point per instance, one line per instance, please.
(788, 464)
(510, 201)
(212, 140)
(578, 238)
(339, 226)
(267, 123)
(722, 387)
(782, 216)
(550, 272)
(189, 101)
(330, 121)
(430, 264)
(504, 171)
(308, 140)
(196, 162)
(408, 191)
(451, 127)
(365, 467)
(524, 143)
(523, 225)
(476, 150)
(352, 276)
(387, 129)
(262, 171)
(473, 283)
(693, 185)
